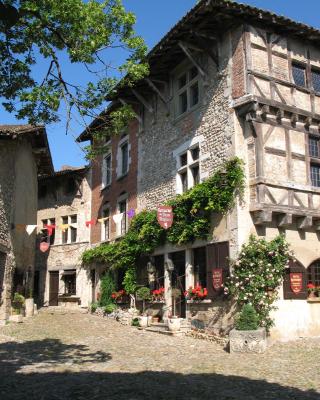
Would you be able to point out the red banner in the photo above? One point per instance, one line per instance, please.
(296, 282)
(217, 278)
(165, 216)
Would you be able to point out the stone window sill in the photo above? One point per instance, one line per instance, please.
(206, 301)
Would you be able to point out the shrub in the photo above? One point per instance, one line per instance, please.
(144, 294)
(18, 299)
(109, 308)
(248, 319)
(93, 307)
(135, 322)
(107, 288)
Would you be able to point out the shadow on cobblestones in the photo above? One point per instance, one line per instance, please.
(144, 385)
(15, 355)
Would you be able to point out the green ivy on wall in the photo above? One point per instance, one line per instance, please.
(192, 219)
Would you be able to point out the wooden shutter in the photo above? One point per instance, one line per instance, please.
(288, 294)
(217, 257)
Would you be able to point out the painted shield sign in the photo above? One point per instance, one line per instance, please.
(296, 282)
(44, 246)
(217, 278)
(165, 216)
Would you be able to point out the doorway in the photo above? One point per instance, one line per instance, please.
(93, 285)
(178, 280)
(53, 288)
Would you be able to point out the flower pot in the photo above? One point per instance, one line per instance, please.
(143, 321)
(29, 307)
(174, 324)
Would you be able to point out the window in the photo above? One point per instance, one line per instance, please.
(314, 273)
(70, 233)
(107, 170)
(188, 169)
(45, 233)
(187, 87)
(124, 158)
(315, 77)
(299, 75)
(123, 210)
(314, 153)
(200, 266)
(70, 287)
(106, 223)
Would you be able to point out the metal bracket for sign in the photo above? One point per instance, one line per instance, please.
(185, 49)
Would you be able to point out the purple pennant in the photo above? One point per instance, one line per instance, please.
(131, 213)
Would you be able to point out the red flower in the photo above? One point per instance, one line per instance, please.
(311, 286)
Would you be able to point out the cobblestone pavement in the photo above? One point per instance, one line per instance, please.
(72, 355)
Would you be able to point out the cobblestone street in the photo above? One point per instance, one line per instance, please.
(80, 356)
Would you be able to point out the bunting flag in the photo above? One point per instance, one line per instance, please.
(20, 227)
(117, 218)
(63, 227)
(131, 213)
(49, 228)
(30, 229)
(101, 220)
(91, 222)
(44, 246)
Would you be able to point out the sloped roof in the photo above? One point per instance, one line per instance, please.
(214, 17)
(37, 136)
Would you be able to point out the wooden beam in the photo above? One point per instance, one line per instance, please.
(262, 217)
(285, 220)
(191, 58)
(204, 45)
(154, 87)
(304, 222)
(317, 225)
(142, 100)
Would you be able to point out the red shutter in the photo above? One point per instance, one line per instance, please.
(288, 294)
(217, 257)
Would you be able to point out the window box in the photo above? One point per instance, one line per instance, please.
(313, 299)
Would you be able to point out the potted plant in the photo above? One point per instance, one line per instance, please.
(17, 307)
(248, 337)
(312, 291)
(143, 294)
(158, 295)
(174, 322)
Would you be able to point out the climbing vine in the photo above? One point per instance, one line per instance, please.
(192, 219)
(257, 274)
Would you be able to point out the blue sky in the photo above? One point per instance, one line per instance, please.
(154, 19)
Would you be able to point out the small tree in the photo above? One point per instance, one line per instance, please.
(144, 294)
(248, 319)
(130, 285)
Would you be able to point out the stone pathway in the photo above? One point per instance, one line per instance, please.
(80, 356)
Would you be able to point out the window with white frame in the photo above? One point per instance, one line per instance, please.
(107, 170)
(121, 218)
(123, 156)
(188, 174)
(105, 226)
(187, 90)
(45, 232)
(69, 229)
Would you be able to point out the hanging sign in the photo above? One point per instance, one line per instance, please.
(165, 216)
(217, 278)
(296, 282)
(44, 246)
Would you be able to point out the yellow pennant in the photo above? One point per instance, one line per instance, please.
(63, 227)
(101, 220)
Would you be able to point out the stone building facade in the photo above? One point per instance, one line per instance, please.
(24, 154)
(65, 203)
(232, 80)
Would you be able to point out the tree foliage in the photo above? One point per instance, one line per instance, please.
(50, 30)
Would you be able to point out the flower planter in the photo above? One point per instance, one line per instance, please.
(174, 324)
(248, 341)
(143, 321)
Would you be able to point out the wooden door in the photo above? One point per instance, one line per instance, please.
(53, 288)
(217, 257)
